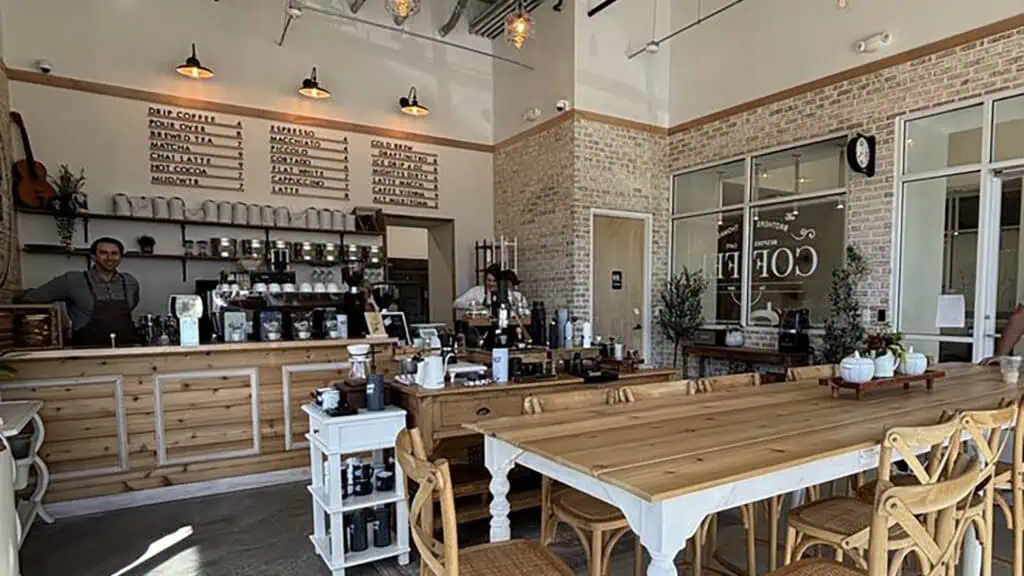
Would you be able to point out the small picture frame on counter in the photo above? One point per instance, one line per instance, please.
(396, 326)
(375, 325)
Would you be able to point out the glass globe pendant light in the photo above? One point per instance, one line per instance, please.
(518, 26)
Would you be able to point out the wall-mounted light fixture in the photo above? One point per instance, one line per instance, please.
(518, 26)
(193, 69)
(411, 105)
(311, 88)
(402, 8)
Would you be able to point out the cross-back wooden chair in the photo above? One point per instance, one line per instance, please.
(928, 520)
(844, 523)
(598, 524)
(654, 390)
(728, 383)
(810, 372)
(443, 557)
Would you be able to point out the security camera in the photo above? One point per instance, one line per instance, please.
(44, 65)
(562, 105)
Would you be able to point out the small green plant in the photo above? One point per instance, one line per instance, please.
(682, 308)
(878, 343)
(844, 328)
(69, 202)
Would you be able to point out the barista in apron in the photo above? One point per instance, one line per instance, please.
(99, 301)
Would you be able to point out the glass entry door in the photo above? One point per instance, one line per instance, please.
(1002, 283)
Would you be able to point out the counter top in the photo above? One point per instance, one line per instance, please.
(94, 353)
(560, 380)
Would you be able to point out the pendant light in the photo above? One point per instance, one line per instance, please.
(193, 69)
(411, 105)
(518, 26)
(312, 89)
(402, 8)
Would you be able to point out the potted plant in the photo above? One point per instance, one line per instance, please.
(68, 204)
(682, 308)
(844, 328)
(886, 347)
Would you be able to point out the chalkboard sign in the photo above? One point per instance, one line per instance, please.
(396, 327)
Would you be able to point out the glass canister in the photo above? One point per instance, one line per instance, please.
(359, 362)
(302, 325)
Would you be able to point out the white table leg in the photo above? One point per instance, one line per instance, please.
(663, 527)
(401, 514)
(499, 458)
(970, 564)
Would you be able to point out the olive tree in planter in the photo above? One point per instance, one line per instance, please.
(682, 309)
(844, 326)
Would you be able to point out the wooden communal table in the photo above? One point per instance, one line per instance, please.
(747, 356)
(669, 465)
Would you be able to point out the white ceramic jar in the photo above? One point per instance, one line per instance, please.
(914, 364)
(885, 366)
(856, 369)
(734, 338)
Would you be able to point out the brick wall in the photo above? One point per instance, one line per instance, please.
(870, 104)
(10, 260)
(546, 183)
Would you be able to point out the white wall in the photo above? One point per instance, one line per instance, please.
(763, 46)
(550, 53)
(609, 83)
(108, 136)
(138, 43)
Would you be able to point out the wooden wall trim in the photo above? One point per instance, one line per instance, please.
(549, 123)
(32, 77)
(582, 115)
(974, 35)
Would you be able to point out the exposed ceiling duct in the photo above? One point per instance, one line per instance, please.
(491, 22)
(453, 19)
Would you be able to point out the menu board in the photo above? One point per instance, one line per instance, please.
(304, 162)
(401, 175)
(192, 149)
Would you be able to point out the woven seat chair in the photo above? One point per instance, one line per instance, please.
(810, 372)
(844, 523)
(1010, 477)
(898, 512)
(443, 558)
(598, 524)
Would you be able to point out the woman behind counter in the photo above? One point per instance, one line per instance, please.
(483, 295)
(99, 300)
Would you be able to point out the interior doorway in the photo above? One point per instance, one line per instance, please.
(620, 280)
(421, 264)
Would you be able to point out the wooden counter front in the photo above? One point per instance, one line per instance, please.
(124, 420)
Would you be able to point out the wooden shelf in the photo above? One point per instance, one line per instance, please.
(58, 250)
(104, 216)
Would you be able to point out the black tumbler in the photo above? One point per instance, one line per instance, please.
(381, 527)
(357, 541)
(375, 392)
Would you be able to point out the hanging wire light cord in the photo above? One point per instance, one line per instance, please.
(700, 20)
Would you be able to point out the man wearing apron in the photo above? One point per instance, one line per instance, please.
(99, 300)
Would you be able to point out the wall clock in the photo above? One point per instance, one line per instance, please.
(860, 154)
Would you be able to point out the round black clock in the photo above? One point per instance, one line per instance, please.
(860, 154)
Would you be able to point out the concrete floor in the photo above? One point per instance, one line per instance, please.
(263, 532)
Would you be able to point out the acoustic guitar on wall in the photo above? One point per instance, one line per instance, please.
(31, 188)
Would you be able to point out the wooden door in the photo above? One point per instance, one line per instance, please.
(618, 279)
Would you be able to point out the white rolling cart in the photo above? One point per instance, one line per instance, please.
(330, 438)
(14, 417)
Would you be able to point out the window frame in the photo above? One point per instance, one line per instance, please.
(747, 207)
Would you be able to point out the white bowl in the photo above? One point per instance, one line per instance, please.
(275, 288)
(319, 288)
(288, 288)
(358, 349)
(259, 288)
(306, 288)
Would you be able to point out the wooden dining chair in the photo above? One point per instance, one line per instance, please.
(443, 558)
(728, 383)
(654, 390)
(844, 523)
(1010, 478)
(896, 526)
(598, 524)
(810, 372)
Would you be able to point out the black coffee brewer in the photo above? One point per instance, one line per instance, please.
(793, 336)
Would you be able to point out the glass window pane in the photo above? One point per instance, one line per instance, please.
(1008, 291)
(713, 243)
(812, 168)
(708, 189)
(937, 257)
(943, 140)
(1008, 136)
(796, 246)
(937, 351)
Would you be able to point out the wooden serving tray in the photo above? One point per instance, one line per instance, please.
(836, 383)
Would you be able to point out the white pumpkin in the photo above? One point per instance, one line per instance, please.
(856, 369)
(914, 364)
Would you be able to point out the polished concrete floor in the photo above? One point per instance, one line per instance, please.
(260, 532)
